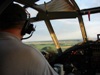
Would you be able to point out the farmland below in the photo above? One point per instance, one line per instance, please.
(49, 45)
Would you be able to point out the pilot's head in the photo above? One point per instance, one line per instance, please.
(14, 15)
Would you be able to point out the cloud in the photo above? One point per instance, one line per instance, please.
(88, 3)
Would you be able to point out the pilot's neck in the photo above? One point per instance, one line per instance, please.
(14, 31)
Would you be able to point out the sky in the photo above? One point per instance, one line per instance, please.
(68, 28)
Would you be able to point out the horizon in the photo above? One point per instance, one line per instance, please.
(61, 40)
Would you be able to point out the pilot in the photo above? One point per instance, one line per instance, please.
(17, 58)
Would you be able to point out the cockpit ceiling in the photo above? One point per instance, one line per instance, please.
(52, 6)
(56, 9)
(57, 5)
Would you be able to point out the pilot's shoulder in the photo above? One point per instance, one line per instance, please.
(32, 50)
